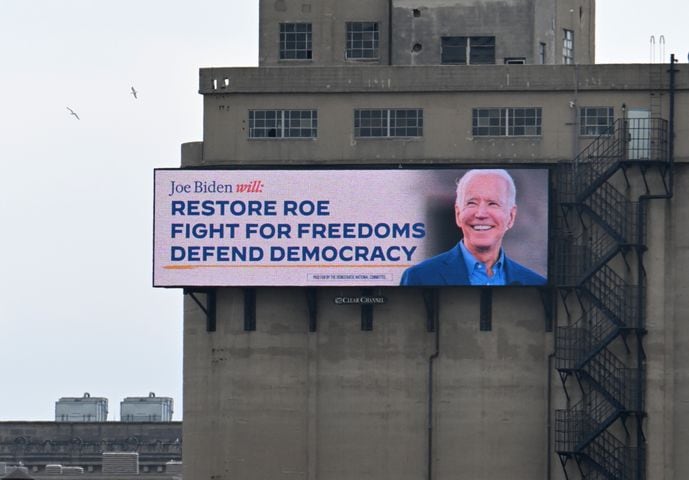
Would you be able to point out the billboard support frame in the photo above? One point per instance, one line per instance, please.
(548, 300)
(249, 309)
(210, 307)
(486, 314)
(366, 311)
(312, 306)
(430, 299)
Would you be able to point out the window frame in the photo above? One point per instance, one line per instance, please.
(295, 43)
(356, 49)
(288, 124)
(388, 123)
(507, 122)
(591, 124)
(568, 47)
(542, 52)
(469, 49)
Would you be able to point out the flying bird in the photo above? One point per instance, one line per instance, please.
(72, 112)
(134, 92)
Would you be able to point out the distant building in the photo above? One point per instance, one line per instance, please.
(146, 409)
(81, 409)
(45, 447)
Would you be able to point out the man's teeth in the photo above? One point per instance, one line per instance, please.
(482, 227)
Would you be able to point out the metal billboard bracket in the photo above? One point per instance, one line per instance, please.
(312, 305)
(366, 311)
(209, 308)
(430, 299)
(548, 307)
(486, 319)
(249, 309)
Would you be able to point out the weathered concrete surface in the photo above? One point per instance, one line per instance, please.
(342, 403)
(519, 26)
(447, 96)
(37, 444)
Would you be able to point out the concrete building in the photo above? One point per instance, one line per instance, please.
(81, 409)
(74, 445)
(146, 409)
(584, 378)
(429, 32)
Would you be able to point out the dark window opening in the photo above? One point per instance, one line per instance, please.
(468, 50)
(541, 53)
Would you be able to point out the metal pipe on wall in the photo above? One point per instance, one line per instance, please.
(389, 32)
(431, 361)
(640, 363)
(549, 416)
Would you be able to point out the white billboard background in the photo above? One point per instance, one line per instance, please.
(349, 200)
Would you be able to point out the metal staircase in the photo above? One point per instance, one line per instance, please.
(600, 278)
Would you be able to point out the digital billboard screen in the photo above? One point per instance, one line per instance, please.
(350, 227)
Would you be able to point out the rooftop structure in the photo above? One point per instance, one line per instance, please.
(146, 409)
(81, 409)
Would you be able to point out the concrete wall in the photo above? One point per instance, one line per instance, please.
(675, 362)
(668, 333)
(578, 16)
(510, 22)
(447, 95)
(328, 18)
(342, 403)
(417, 26)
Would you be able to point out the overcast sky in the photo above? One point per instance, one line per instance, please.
(77, 310)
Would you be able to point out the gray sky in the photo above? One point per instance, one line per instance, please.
(77, 310)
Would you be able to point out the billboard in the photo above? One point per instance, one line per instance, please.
(349, 227)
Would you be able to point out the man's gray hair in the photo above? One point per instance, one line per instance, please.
(479, 172)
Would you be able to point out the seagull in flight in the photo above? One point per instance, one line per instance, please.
(134, 92)
(72, 112)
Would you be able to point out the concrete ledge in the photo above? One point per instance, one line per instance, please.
(440, 78)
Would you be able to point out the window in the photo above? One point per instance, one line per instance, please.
(283, 123)
(488, 122)
(362, 40)
(515, 61)
(295, 41)
(541, 53)
(453, 50)
(568, 48)
(467, 50)
(511, 122)
(596, 120)
(388, 123)
(523, 121)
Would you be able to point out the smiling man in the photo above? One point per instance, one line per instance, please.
(485, 209)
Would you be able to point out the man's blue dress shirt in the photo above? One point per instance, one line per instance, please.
(478, 274)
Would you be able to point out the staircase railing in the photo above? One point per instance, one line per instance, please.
(611, 307)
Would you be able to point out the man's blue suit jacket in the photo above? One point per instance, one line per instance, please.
(449, 268)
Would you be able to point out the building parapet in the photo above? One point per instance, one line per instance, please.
(441, 78)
